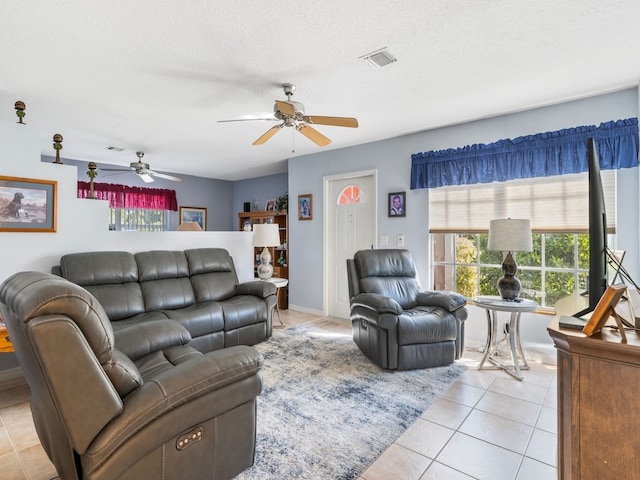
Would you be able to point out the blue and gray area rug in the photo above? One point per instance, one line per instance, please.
(326, 412)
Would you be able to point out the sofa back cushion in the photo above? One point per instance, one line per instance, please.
(388, 272)
(164, 280)
(213, 274)
(111, 277)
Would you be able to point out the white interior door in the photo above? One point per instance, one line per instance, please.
(351, 226)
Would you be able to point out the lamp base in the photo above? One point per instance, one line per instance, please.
(509, 287)
(508, 284)
(265, 269)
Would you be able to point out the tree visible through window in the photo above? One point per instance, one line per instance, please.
(557, 266)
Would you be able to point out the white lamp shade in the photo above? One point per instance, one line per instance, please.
(189, 227)
(266, 235)
(510, 235)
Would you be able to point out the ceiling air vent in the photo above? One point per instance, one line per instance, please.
(379, 58)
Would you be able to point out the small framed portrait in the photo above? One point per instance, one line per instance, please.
(305, 207)
(271, 205)
(397, 204)
(194, 214)
(27, 205)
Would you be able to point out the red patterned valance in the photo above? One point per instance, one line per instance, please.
(125, 196)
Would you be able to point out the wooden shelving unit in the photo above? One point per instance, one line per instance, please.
(279, 255)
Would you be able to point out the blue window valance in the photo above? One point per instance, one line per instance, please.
(540, 155)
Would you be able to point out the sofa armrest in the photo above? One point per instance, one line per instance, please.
(151, 336)
(377, 302)
(450, 301)
(175, 387)
(257, 288)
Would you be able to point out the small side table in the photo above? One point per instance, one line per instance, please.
(279, 283)
(493, 305)
(5, 342)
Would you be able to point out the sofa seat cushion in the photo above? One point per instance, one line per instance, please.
(242, 311)
(155, 363)
(137, 319)
(200, 319)
(145, 337)
(424, 324)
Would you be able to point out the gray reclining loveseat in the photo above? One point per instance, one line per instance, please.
(151, 407)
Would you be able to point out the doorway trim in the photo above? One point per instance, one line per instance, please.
(327, 261)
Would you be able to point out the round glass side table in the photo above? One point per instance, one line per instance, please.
(493, 305)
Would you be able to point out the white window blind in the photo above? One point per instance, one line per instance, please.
(553, 204)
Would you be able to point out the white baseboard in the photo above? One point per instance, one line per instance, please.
(12, 377)
(310, 311)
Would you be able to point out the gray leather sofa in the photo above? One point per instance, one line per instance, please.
(395, 323)
(198, 288)
(150, 408)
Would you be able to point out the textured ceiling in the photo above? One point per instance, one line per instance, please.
(158, 76)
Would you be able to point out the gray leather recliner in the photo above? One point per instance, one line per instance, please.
(156, 409)
(395, 323)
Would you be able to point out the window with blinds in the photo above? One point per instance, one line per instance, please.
(553, 204)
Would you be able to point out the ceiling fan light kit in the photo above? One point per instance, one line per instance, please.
(142, 170)
(292, 115)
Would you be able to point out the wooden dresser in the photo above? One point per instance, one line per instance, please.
(598, 405)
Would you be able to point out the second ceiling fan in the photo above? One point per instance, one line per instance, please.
(292, 114)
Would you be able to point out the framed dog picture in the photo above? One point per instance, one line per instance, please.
(27, 205)
(397, 204)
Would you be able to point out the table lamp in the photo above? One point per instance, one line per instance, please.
(266, 235)
(189, 227)
(510, 235)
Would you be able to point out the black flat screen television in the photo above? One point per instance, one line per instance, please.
(597, 280)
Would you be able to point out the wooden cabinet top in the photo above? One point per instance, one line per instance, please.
(605, 344)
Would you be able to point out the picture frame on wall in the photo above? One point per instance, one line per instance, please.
(397, 204)
(27, 205)
(305, 207)
(194, 214)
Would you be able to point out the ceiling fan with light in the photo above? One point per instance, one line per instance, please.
(291, 114)
(142, 170)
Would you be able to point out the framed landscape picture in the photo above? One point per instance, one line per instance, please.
(305, 207)
(27, 205)
(194, 214)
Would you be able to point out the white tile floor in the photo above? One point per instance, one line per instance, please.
(487, 425)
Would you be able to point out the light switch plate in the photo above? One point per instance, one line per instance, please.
(384, 240)
(400, 240)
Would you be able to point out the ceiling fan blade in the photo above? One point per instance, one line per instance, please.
(165, 176)
(286, 107)
(146, 177)
(269, 119)
(116, 170)
(268, 134)
(335, 121)
(313, 135)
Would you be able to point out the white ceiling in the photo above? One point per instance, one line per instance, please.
(157, 75)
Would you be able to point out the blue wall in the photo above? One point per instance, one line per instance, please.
(259, 189)
(392, 160)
